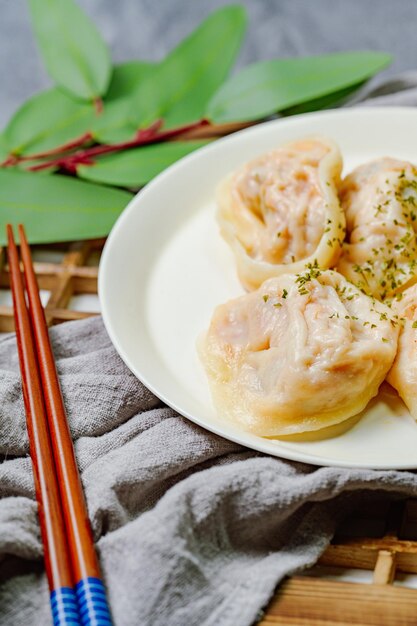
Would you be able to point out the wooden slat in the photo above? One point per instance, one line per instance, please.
(50, 270)
(63, 315)
(364, 557)
(385, 543)
(2, 259)
(60, 295)
(303, 601)
(384, 572)
(345, 556)
(63, 289)
(6, 320)
(63, 280)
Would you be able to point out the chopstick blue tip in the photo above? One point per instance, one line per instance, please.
(64, 607)
(92, 602)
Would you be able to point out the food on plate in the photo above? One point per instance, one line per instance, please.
(300, 353)
(403, 374)
(281, 211)
(380, 201)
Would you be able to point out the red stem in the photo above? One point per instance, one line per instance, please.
(143, 137)
(66, 147)
(98, 105)
(13, 159)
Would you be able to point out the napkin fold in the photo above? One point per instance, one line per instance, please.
(191, 529)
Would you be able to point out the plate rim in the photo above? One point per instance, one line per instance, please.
(284, 453)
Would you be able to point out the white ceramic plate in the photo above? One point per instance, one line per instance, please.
(165, 267)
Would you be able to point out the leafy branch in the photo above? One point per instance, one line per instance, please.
(121, 125)
(69, 162)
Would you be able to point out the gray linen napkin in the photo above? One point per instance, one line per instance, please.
(192, 530)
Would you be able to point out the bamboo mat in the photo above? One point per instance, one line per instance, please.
(381, 540)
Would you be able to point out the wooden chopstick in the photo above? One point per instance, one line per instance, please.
(57, 562)
(89, 588)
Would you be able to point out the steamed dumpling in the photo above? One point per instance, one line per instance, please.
(380, 200)
(281, 211)
(299, 354)
(403, 374)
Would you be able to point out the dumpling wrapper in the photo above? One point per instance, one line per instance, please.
(299, 354)
(380, 201)
(281, 211)
(403, 374)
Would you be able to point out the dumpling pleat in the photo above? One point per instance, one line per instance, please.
(300, 353)
(281, 211)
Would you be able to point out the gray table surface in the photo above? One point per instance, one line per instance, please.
(147, 29)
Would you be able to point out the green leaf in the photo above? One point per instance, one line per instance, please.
(74, 53)
(138, 166)
(126, 78)
(57, 208)
(25, 166)
(4, 149)
(51, 118)
(47, 121)
(264, 88)
(115, 123)
(325, 102)
(180, 87)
